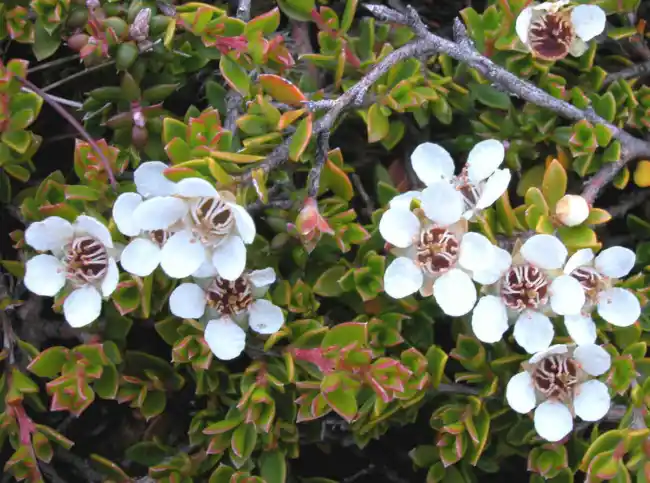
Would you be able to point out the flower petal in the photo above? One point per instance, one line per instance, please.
(578, 47)
(195, 188)
(206, 270)
(495, 186)
(50, 234)
(588, 21)
(88, 225)
(567, 295)
(265, 317)
(262, 278)
(581, 328)
(594, 360)
(44, 275)
(399, 227)
(489, 319)
(533, 331)
(244, 222)
(123, 209)
(111, 279)
(141, 257)
(592, 401)
(553, 421)
(578, 259)
(455, 293)
(520, 393)
(523, 24)
(225, 338)
(501, 261)
(619, 307)
(431, 162)
(187, 301)
(476, 252)
(150, 180)
(615, 262)
(554, 349)
(403, 200)
(402, 278)
(229, 258)
(484, 159)
(182, 255)
(159, 213)
(544, 251)
(82, 306)
(442, 203)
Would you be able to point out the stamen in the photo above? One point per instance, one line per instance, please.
(230, 297)
(556, 377)
(524, 287)
(86, 260)
(213, 219)
(437, 250)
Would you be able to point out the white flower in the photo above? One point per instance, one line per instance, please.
(572, 210)
(82, 255)
(204, 224)
(558, 383)
(527, 293)
(226, 305)
(552, 30)
(447, 197)
(597, 276)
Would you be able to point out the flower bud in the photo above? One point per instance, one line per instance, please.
(78, 41)
(572, 210)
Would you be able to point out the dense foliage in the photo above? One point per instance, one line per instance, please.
(314, 241)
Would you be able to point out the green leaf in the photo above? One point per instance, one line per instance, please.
(236, 77)
(159, 93)
(45, 45)
(49, 362)
(436, 362)
(243, 441)
(297, 9)
(554, 183)
(146, 453)
(222, 474)
(19, 141)
(282, 90)
(489, 96)
(80, 192)
(345, 334)
(348, 16)
(300, 139)
(154, 404)
(127, 53)
(273, 467)
(343, 402)
(267, 22)
(327, 284)
(378, 124)
(107, 385)
(17, 171)
(577, 237)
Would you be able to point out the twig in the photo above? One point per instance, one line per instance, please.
(74, 123)
(53, 63)
(233, 98)
(369, 206)
(628, 202)
(360, 474)
(82, 467)
(636, 70)
(59, 100)
(58, 83)
(244, 10)
(322, 148)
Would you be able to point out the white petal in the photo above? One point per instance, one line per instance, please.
(476, 252)
(577, 48)
(111, 279)
(399, 227)
(431, 162)
(520, 393)
(141, 257)
(523, 24)
(489, 319)
(581, 328)
(484, 159)
(402, 278)
(615, 262)
(533, 331)
(619, 307)
(567, 295)
(593, 359)
(206, 270)
(578, 259)
(50, 234)
(572, 210)
(592, 401)
(182, 255)
(187, 301)
(229, 258)
(225, 338)
(159, 213)
(403, 200)
(265, 317)
(123, 209)
(82, 306)
(442, 203)
(501, 261)
(455, 293)
(262, 278)
(495, 186)
(244, 222)
(544, 251)
(553, 421)
(150, 180)
(196, 187)
(554, 349)
(588, 21)
(91, 226)
(44, 275)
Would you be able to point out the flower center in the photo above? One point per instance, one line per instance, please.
(437, 250)
(592, 282)
(550, 36)
(159, 237)
(86, 260)
(230, 297)
(213, 219)
(471, 193)
(524, 287)
(556, 376)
